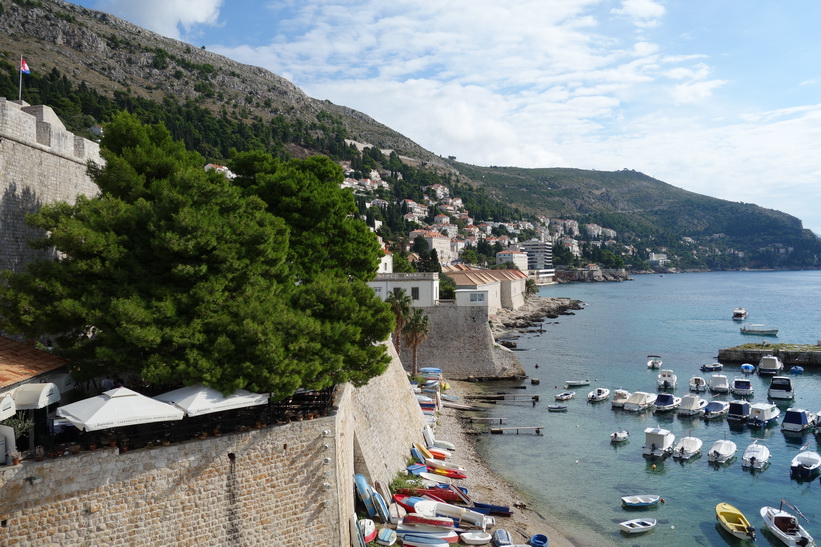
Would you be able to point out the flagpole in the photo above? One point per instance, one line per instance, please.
(20, 88)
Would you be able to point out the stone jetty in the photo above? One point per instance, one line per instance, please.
(806, 355)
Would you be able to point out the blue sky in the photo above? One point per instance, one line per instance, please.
(720, 98)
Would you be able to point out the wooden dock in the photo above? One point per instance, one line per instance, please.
(500, 430)
(488, 420)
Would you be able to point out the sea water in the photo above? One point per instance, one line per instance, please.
(574, 476)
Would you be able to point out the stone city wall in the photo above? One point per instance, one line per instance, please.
(282, 485)
(40, 162)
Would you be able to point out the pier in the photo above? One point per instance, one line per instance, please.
(501, 430)
(806, 355)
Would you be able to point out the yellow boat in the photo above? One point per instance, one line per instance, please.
(734, 521)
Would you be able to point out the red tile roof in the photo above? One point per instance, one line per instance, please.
(20, 362)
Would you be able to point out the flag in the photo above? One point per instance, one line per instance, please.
(24, 67)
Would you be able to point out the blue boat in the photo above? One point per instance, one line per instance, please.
(539, 540)
(502, 537)
(747, 368)
(363, 489)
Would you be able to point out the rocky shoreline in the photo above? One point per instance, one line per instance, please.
(509, 325)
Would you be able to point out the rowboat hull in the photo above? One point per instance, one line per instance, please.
(734, 521)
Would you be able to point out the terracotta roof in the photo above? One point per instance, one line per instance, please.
(465, 278)
(20, 362)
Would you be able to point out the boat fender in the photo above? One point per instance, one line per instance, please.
(662, 500)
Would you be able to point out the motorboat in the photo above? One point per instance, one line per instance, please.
(658, 442)
(641, 500)
(797, 419)
(667, 380)
(698, 384)
(785, 526)
(770, 364)
(691, 405)
(806, 464)
(576, 383)
(687, 448)
(734, 521)
(719, 383)
(712, 367)
(620, 396)
(640, 400)
(796, 369)
(557, 408)
(759, 330)
(756, 456)
(781, 388)
(742, 387)
(739, 411)
(722, 451)
(565, 395)
(619, 436)
(763, 414)
(665, 402)
(747, 368)
(598, 394)
(654, 361)
(739, 314)
(637, 526)
(716, 409)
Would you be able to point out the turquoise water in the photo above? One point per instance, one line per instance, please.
(576, 477)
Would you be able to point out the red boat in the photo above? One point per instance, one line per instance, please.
(444, 494)
(451, 473)
(440, 522)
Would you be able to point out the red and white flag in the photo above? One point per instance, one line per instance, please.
(24, 67)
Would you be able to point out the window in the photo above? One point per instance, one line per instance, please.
(378, 291)
(415, 293)
(477, 297)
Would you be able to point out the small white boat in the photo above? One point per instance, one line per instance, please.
(691, 405)
(759, 330)
(756, 456)
(598, 394)
(770, 364)
(658, 442)
(619, 436)
(742, 387)
(641, 500)
(665, 402)
(637, 526)
(739, 314)
(565, 395)
(667, 380)
(785, 526)
(712, 367)
(739, 411)
(781, 388)
(640, 400)
(687, 448)
(805, 464)
(716, 409)
(475, 538)
(654, 361)
(698, 384)
(557, 408)
(719, 383)
(576, 383)
(620, 396)
(763, 414)
(722, 451)
(797, 419)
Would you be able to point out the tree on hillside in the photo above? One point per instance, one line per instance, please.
(180, 276)
(400, 304)
(415, 332)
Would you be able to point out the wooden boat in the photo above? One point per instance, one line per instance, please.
(739, 314)
(417, 518)
(576, 383)
(756, 456)
(502, 537)
(619, 436)
(758, 330)
(654, 361)
(386, 536)
(687, 448)
(620, 396)
(697, 384)
(712, 367)
(722, 451)
(785, 526)
(641, 500)
(805, 464)
(368, 529)
(734, 521)
(557, 408)
(637, 526)
(598, 394)
(475, 538)
(539, 540)
(565, 395)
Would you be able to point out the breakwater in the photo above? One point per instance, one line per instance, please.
(790, 354)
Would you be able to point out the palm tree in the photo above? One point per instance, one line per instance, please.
(401, 304)
(415, 332)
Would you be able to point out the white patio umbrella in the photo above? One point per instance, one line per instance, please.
(7, 407)
(198, 399)
(117, 408)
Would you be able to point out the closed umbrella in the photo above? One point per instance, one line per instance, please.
(198, 399)
(117, 408)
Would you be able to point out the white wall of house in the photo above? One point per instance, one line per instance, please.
(492, 298)
(423, 287)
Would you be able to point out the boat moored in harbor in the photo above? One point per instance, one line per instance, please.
(763, 414)
(770, 364)
(781, 388)
(759, 330)
(658, 442)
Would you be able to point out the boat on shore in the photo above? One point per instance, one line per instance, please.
(734, 521)
(759, 330)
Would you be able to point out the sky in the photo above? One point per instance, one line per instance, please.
(719, 98)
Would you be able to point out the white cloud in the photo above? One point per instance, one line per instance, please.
(165, 16)
(643, 12)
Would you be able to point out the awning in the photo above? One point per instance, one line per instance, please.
(7, 407)
(33, 396)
